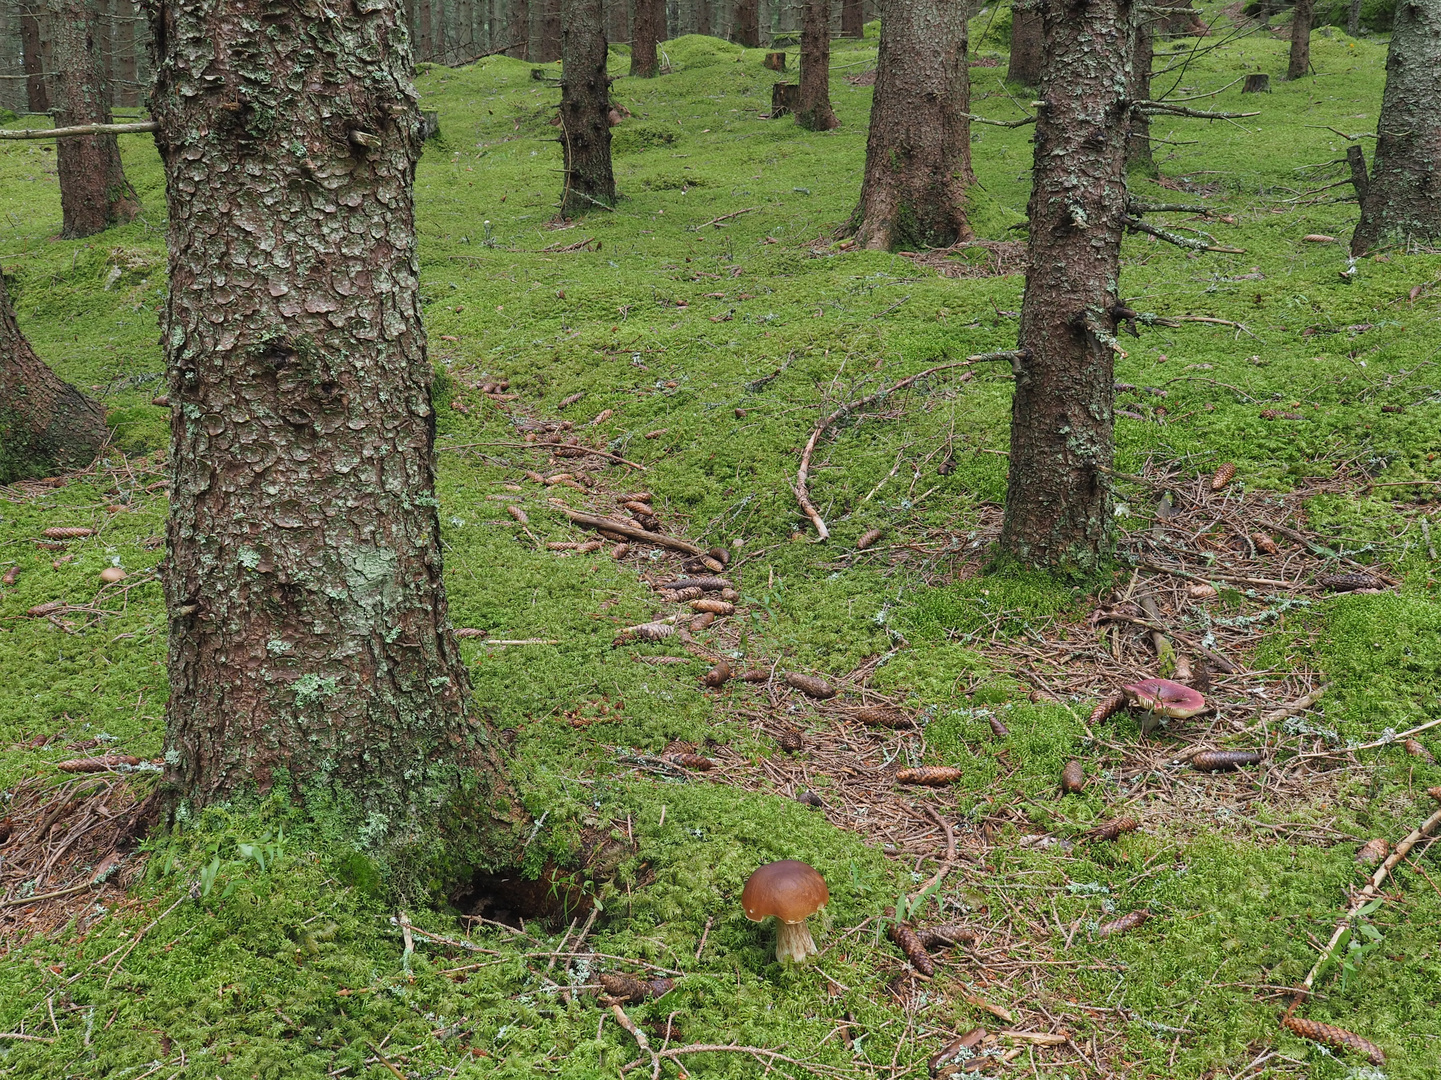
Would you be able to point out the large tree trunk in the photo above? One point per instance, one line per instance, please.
(853, 18)
(1025, 65)
(747, 28)
(37, 93)
(1403, 201)
(585, 111)
(1138, 138)
(814, 111)
(1058, 503)
(918, 153)
(646, 34)
(94, 193)
(517, 33)
(1301, 39)
(309, 643)
(46, 425)
(550, 31)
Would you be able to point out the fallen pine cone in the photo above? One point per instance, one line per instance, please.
(701, 622)
(1264, 543)
(717, 675)
(620, 551)
(107, 763)
(1125, 922)
(519, 514)
(1331, 1035)
(595, 545)
(10, 576)
(1112, 829)
(67, 534)
(1224, 760)
(1222, 476)
(682, 596)
(880, 716)
(869, 537)
(692, 761)
(1318, 238)
(754, 675)
(1347, 582)
(1073, 777)
(1434, 792)
(998, 729)
(905, 938)
(810, 685)
(930, 775)
(1415, 748)
(41, 610)
(1373, 852)
(623, 987)
(790, 741)
(810, 798)
(1108, 708)
(715, 607)
(468, 632)
(660, 986)
(704, 584)
(651, 631)
(943, 937)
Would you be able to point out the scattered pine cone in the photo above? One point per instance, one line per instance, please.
(810, 685)
(1112, 829)
(1222, 476)
(998, 729)
(67, 534)
(715, 607)
(682, 596)
(930, 775)
(1348, 581)
(1264, 543)
(1224, 760)
(869, 537)
(754, 675)
(1073, 777)
(943, 937)
(41, 610)
(1415, 748)
(691, 761)
(1373, 852)
(105, 763)
(1107, 708)
(1124, 923)
(718, 675)
(468, 632)
(1434, 792)
(623, 987)
(1330, 1035)
(790, 741)
(880, 716)
(911, 945)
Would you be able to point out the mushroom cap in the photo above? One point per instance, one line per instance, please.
(1165, 698)
(790, 890)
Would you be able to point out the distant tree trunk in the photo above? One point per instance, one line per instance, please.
(46, 425)
(309, 643)
(648, 27)
(814, 112)
(518, 29)
(36, 92)
(702, 17)
(1301, 16)
(1058, 501)
(1403, 200)
(94, 193)
(747, 29)
(1138, 138)
(551, 47)
(853, 18)
(1025, 65)
(918, 152)
(1353, 18)
(585, 110)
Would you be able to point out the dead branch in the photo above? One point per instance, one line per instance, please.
(803, 474)
(82, 129)
(547, 446)
(1222, 664)
(724, 217)
(1000, 123)
(1137, 225)
(1154, 107)
(1136, 207)
(633, 531)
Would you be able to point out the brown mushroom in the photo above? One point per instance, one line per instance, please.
(792, 891)
(1163, 698)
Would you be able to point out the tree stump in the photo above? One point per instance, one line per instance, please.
(1257, 84)
(776, 61)
(429, 124)
(784, 98)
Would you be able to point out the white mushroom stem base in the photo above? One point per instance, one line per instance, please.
(794, 942)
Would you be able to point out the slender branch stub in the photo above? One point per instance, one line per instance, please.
(364, 139)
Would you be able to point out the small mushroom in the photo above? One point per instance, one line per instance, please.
(1162, 698)
(792, 891)
(112, 574)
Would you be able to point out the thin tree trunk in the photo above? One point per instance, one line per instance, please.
(309, 642)
(814, 110)
(585, 111)
(518, 29)
(46, 425)
(550, 32)
(125, 90)
(1353, 18)
(918, 152)
(94, 193)
(853, 18)
(1403, 200)
(1301, 16)
(702, 17)
(1058, 502)
(646, 33)
(747, 29)
(36, 89)
(1138, 138)
(1025, 65)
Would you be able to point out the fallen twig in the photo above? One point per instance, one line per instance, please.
(725, 217)
(548, 446)
(82, 129)
(1222, 664)
(1176, 238)
(633, 531)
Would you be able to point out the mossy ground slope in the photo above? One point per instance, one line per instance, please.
(731, 342)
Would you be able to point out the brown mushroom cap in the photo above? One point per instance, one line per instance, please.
(1165, 698)
(792, 891)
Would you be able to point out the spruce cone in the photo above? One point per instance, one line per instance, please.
(682, 596)
(869, 537)
(1434, 792)
(1222, 476)
(717, 675)
(715, 607)
(879, 716)
(754, 675)
(1416, 749)
(1124, 923)
(1373, 852)
(1073, 777)
(790, 741)
(40, 610)
(107, 763)
(1224, 760)
(468, 632)
(623, 987)
(1112, 829)
(1348, 581)
(705, 584)
(1264, 543)
(67, 534)
(1201, 677)
(998, 729)
(911, 945)
(930, 775)
(1107, 708)
(943, 937)
(1331, 1035)
(810, 685)
(691, 761)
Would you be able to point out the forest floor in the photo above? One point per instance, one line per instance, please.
(697, 337)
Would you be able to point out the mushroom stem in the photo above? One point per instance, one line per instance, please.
(794, 942)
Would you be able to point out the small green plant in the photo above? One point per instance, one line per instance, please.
(1351, 950)
(264, 852)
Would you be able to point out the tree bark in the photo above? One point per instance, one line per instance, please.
(918, 151)
(853, 18)
(646, 34)
(1403, 201)
(1353, 18)
(1138, 138)
(551, 32)
(747, 29)
(46, 425)
(37, 93)
(518, 29)
(1058, 502)
(94, 193)
(1025, 64)
(815, 112)
(1301, 16)
(309, 644)
(585, 111)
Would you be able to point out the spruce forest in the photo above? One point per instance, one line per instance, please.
(803, 538)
